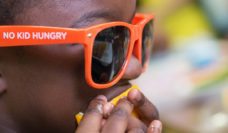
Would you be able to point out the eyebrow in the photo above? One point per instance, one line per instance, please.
(133, 14)
(93, 15)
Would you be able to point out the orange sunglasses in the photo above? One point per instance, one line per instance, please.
(108, 47)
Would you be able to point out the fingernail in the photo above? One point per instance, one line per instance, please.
(155, 127)
(100, 108)
(101, 97)
(135, 94)
(112, 105)
(108, 109)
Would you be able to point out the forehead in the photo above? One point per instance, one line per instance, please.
(75, 13)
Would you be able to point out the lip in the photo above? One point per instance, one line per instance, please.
(117, 90)
(112, 92)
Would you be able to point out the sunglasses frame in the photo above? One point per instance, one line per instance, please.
(86, 37)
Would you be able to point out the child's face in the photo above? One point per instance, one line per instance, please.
(45, 84)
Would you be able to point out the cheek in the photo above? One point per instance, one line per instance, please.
(48, 83)
(71, 55)
(50, 97)
(47, 86)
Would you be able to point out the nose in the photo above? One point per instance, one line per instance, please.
(133, 70)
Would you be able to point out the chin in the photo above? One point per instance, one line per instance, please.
(117, 89)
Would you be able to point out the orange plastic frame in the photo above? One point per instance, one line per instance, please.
(25, 36)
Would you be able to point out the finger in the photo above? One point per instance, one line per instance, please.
(118, 120)
(108, 107)
(136, 125)
(103, 123)
(155, 127)
(146, 110)
(91, 122)
(136, 130)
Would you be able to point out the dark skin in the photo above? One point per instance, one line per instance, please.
(43, 87)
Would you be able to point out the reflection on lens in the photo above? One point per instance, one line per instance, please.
(147, 41)
(109, 53)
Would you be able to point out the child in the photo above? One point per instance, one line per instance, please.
(43, 87)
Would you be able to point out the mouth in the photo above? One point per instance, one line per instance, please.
(111, 92)
(117, 90)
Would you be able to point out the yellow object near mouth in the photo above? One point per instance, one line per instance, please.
(114, 101)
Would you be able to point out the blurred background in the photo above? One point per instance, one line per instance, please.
(187, 78)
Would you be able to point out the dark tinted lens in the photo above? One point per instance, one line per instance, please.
(147, 40)
(109, 53)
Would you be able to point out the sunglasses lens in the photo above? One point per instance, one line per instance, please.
(147, 40)
(109, 53)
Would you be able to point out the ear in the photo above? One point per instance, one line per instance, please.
(2, 85)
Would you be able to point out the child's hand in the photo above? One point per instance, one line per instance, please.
(101, 117)
(147, 113)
